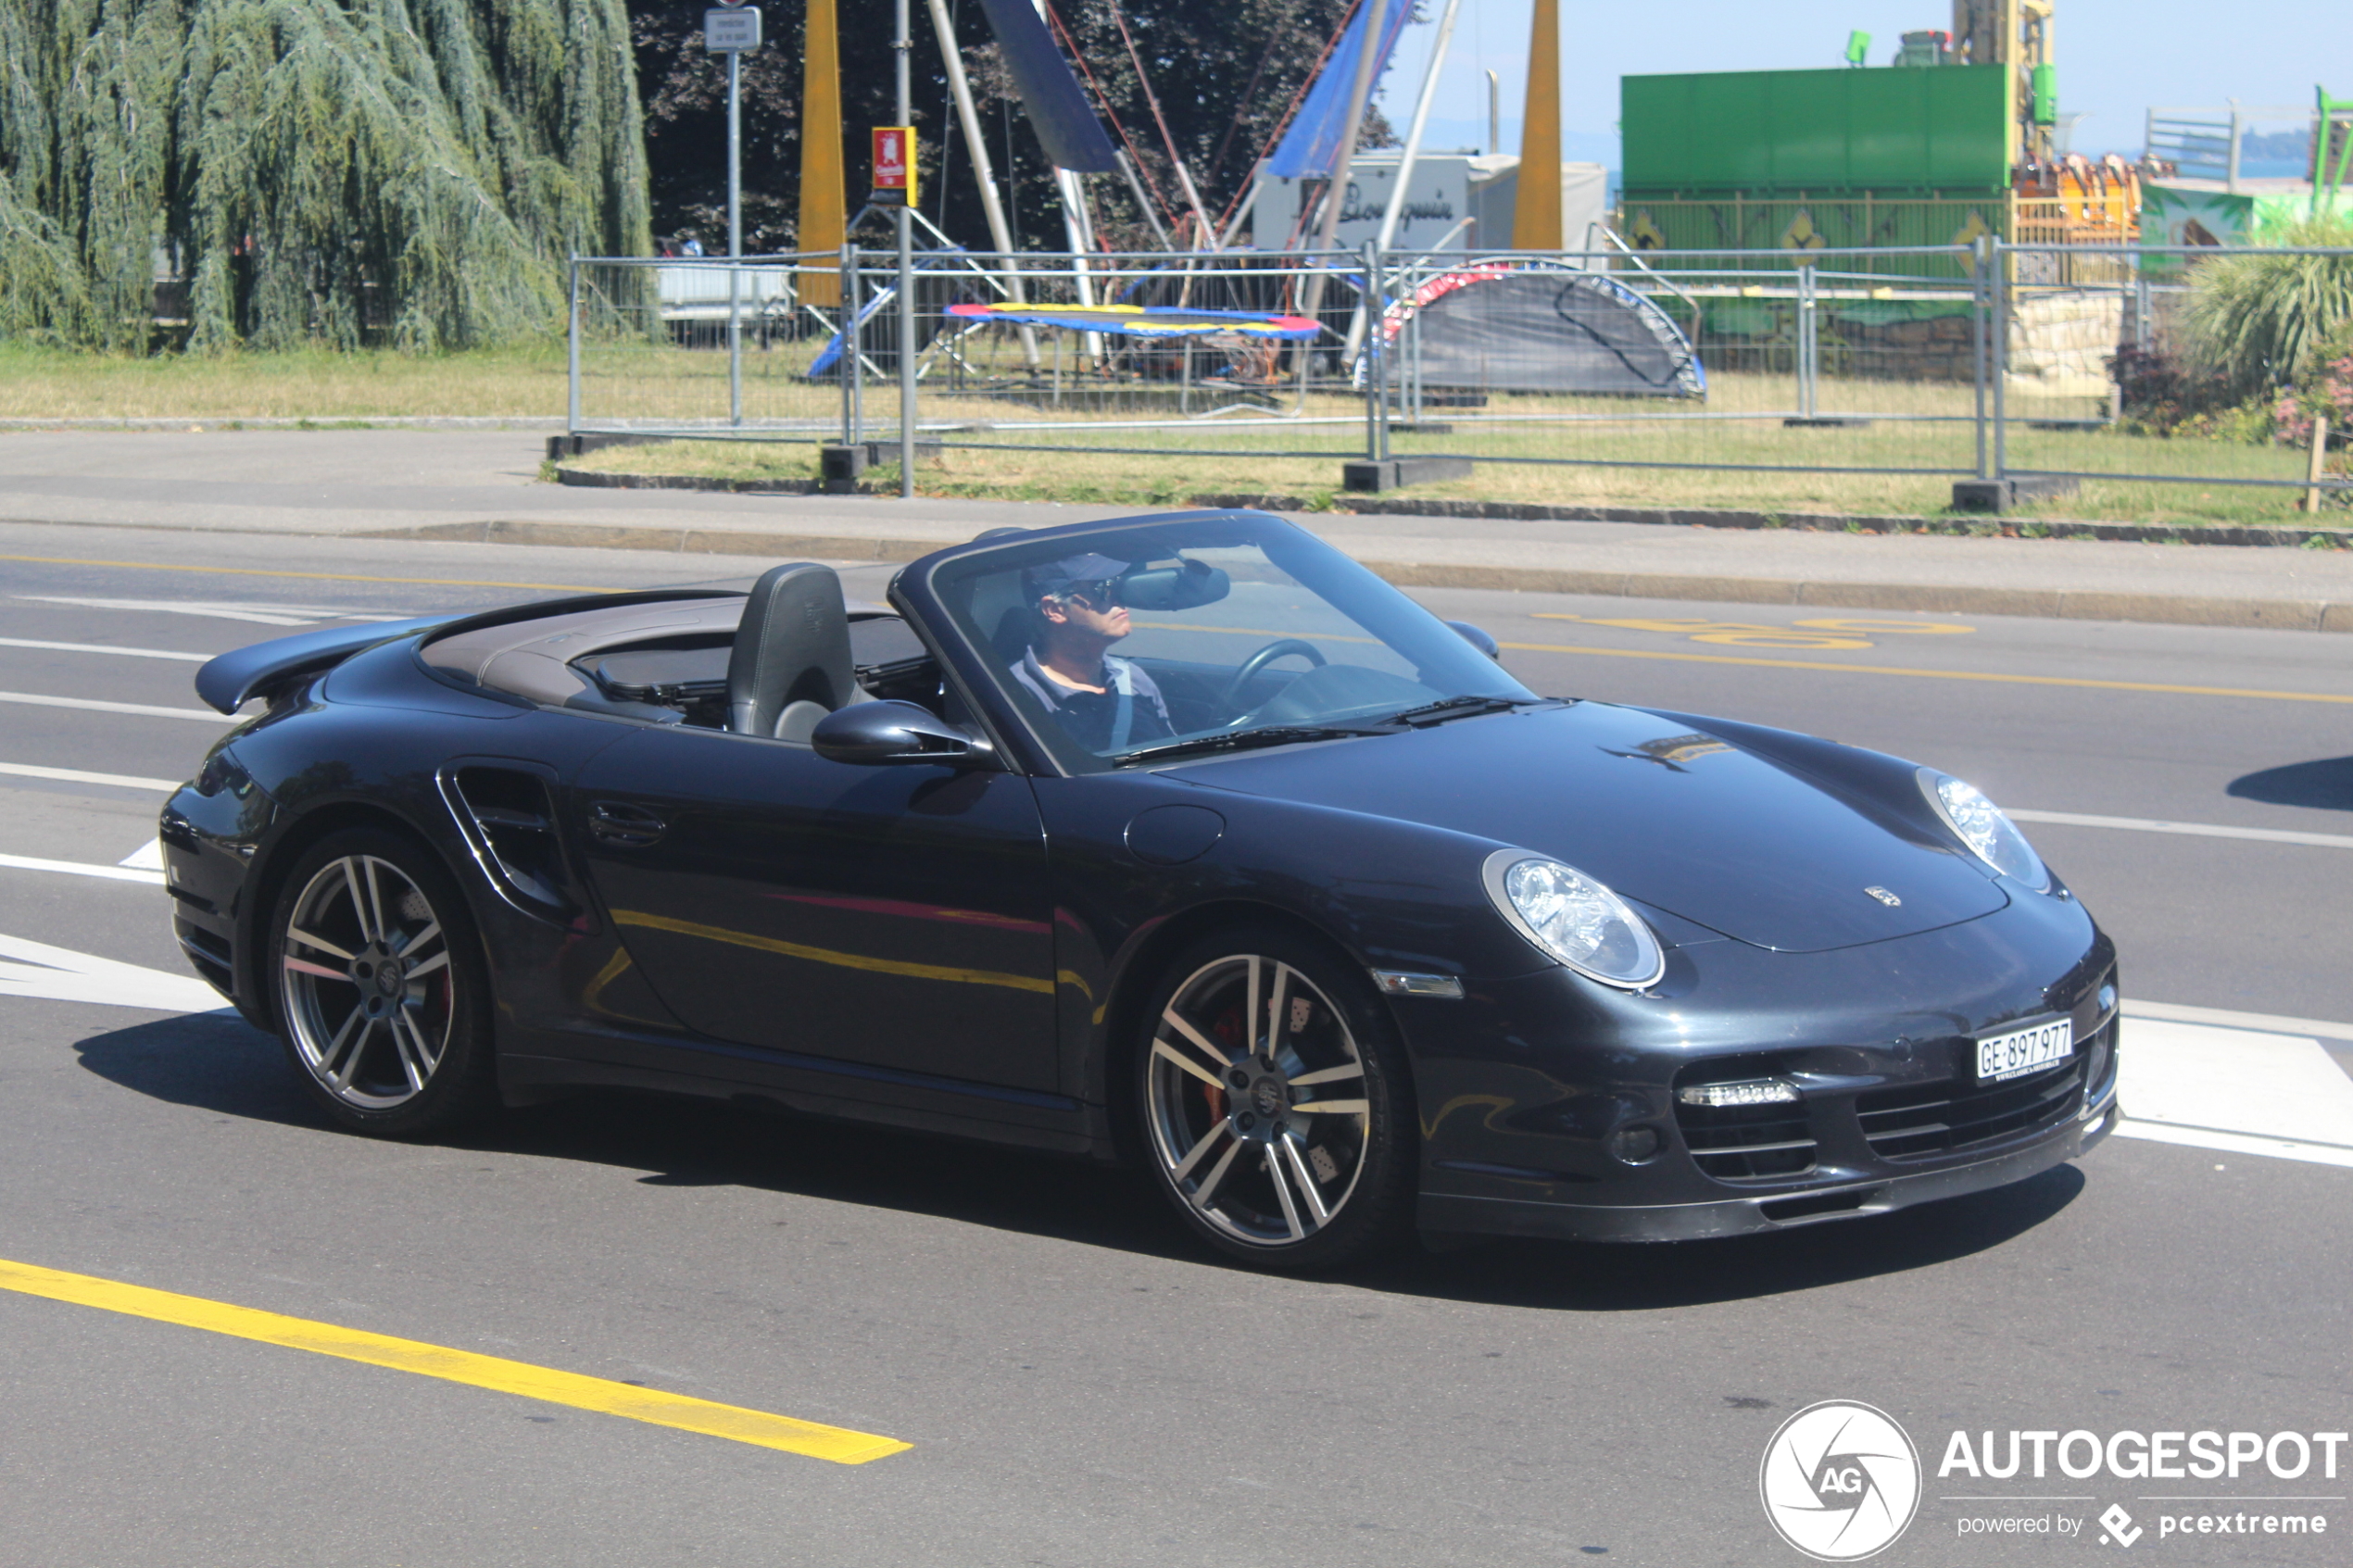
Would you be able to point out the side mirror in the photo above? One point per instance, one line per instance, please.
(1478, 639)
(878, 733)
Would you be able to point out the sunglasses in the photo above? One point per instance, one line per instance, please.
(1095, 595)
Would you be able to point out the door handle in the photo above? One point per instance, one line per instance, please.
(624, 826)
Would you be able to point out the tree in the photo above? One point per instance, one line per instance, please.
(311, 167)
(1226, 74)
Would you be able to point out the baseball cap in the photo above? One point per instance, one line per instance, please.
(1070, 572)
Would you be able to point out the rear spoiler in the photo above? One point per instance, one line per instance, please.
(228, 681)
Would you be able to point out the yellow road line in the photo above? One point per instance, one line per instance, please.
(1934, 674)
(313, 576)
(732, 1422)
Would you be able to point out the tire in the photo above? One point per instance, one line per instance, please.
(381, 993)
(1227, 1129)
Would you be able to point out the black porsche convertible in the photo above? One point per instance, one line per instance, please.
(1182, 840)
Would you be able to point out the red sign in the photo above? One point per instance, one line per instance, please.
(895, 163)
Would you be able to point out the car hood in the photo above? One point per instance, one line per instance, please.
(1666, 814)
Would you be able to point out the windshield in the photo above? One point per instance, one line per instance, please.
(1126, 643)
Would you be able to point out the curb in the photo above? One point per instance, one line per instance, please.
(1522, 511)
(2289, 615)
(1817, 522)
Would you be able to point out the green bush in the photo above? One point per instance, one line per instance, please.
(2257, 317)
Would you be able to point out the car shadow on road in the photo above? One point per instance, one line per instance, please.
(2326, 783)
(216, 1062)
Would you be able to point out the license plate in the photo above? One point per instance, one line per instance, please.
(2024, 1050)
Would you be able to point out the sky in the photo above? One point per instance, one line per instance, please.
(2116, 59)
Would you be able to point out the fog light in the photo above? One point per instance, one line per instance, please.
(1633, 1145)
(1747, 1091)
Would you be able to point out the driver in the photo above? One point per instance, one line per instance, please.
(1104, 702)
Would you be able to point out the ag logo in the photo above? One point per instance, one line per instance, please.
(1840, 1481)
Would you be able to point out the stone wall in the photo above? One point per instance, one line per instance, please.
(2061, 341)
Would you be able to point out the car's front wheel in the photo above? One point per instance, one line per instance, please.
(1276, 1104)
(383, 995)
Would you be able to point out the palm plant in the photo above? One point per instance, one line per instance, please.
(2255, 317)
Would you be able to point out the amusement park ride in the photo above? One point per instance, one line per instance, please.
(1959, 136)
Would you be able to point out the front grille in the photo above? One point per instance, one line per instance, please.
(1735, 1143)
(1957, 1114)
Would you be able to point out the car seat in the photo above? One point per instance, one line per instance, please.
(790, 665)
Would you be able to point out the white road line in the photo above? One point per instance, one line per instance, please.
(2236, 1143)
(2279, 1096)
(224, 609)
(148, 857)
(2270, 1024)
(102, 647)
(2194, 829)
(147, 709)
(35, 969)
(81, 868)
(78, 775)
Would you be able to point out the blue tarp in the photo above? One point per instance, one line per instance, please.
(1059, 112)
(1310, 149)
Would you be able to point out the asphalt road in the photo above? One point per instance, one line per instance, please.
(1079, 1385)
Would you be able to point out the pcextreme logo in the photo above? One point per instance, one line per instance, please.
(1840, 1481)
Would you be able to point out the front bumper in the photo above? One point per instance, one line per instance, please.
(1748, 1213)
(1551, 1107)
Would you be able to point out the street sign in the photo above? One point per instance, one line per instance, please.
(895, 165)
(731, 31)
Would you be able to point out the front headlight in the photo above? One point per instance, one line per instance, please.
(1979, 823)
(1574, 918)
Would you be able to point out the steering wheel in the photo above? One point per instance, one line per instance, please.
(1281, 648)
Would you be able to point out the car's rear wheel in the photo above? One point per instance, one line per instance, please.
(1277, 1107)
(383, 995)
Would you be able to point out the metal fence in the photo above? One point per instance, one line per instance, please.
(1992, 361)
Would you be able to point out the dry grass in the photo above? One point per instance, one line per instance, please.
(42, 383)
(1018, 471)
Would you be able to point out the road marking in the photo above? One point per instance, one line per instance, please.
(148, 857)
(2236, 1143)
(1931, 674)
(146, 709)
(102, 647)
(217, 610)
(309, 576)
(2276, 1094)
(1822, 632)
(78, 775)
(2194, 829)
(838, 1444)
(2265, 1022)
(60, 974)
(123, 872)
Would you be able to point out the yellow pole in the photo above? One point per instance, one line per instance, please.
(1536, 210)
(825, 218)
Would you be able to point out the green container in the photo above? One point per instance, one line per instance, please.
(1792, 228)
(1768, 132)
(2045, 80)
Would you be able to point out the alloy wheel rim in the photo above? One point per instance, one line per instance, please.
(366, 978)
(1255, 1097)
